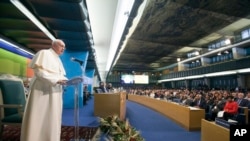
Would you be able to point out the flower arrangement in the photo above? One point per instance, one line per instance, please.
(118, 130)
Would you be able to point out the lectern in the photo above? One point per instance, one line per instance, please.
(76, 82)
(107, 104)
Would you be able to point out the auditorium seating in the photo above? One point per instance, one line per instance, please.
(13, 102)
(242, 116)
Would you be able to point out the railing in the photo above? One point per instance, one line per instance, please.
(218, 67)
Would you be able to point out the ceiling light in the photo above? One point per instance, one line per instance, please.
(84, 10)
(124, 6)
(27, 13)
(220, 73)
(197, 53)
(6, 42)
(194, 77)
(178, 59)
(91, 42)
(244, 70)
(87, 25)
(227, 41)
(173, 79)
(90, 35)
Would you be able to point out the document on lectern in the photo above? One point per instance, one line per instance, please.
(75, 81)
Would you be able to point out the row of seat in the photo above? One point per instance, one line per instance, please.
(242, 117)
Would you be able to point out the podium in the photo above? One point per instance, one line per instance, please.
(107, 104)
(75, 82)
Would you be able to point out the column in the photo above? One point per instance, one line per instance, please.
(207, 82)
(238, 52)
(187, 84)
(173, 84)
(90, 74)
(241, 81)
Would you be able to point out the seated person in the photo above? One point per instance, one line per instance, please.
(199, 102)
(219, 104)
(230, 108)
(110, 88)
(187, 100)
(85, 94)
(241, 101)
(247, 97)
(101, 88)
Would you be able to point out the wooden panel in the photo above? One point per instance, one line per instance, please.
(213, 132)
(246, 113)
(110, 104)
(190, 119)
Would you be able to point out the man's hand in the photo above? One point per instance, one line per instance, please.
(62, 82)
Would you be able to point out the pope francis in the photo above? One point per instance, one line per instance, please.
(43, 111)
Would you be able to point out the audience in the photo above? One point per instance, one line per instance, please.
(213, 101)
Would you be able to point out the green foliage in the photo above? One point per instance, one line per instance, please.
(119, 130)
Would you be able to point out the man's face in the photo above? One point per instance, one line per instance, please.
(59, 47)
(240, 95)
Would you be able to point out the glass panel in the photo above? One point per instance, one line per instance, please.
(218, 45)
(245, 34)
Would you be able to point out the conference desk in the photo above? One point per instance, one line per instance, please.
(107, 104)
(213, 132)
(187, 117)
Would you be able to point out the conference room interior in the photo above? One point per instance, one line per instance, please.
(149, 66)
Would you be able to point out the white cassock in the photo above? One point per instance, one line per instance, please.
(43, 111)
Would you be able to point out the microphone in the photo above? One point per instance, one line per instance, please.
(76, 60)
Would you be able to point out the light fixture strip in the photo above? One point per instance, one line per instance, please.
(13, 45)
(231, 72)
(27, 13)
(25, 51)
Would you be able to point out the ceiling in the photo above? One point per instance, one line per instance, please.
(65, 19)
(169, 29)
(157, 32)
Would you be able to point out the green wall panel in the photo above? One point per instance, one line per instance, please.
(12, 63)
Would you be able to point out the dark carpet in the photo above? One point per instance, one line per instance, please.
(155, 126)
(12, 133)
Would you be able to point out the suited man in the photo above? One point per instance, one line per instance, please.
(219, 104)
(199, 102)
(241, 101)
(110, 88)
(102, 88)
(248, 96)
